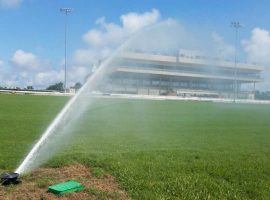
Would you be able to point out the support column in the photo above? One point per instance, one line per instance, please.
(254, 90)
(122, 84)
(137, 83)
(159, 85)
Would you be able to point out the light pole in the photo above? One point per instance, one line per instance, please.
(236, 25)
(66, 11)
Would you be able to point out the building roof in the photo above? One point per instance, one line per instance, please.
(189, 61)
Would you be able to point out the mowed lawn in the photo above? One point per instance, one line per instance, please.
(155, 149)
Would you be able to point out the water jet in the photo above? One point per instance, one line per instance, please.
(61, 127)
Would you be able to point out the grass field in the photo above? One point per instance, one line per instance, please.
(155, 149)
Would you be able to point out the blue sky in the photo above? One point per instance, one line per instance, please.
(36, 27)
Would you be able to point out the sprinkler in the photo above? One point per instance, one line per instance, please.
(9, 178)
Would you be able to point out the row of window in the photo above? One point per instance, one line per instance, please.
(173, 84)
(211, 70)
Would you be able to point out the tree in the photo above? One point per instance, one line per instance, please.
(262, 95)
(77, 86)
(30, 87)
(57, 87)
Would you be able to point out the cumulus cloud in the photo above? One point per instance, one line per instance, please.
(257, 47)
(223, 49)
(45, 77)
(100, 41)
(78, 74)
(107, 36)
(28, 69)
(111, 34)
(10, 3)
(25, 60)
(89, 56)
(1, 63)
(74, 74)
(134, 21)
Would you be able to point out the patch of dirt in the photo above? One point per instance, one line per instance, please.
(34, 186)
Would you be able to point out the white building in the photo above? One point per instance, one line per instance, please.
(182, 74)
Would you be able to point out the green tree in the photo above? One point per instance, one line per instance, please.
(30, 87)
(77, 86)
(262, 95)
(57, 87)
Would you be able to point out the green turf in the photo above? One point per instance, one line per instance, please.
(22, 119)
(155, 149)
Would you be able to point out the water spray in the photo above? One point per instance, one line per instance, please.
(135, 41)
(12, 178)
(86, 88)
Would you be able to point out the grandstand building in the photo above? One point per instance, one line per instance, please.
(183, 75)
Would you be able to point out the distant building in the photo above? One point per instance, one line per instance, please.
(71, 90)
(183, 75)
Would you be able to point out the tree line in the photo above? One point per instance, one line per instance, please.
(54, 87)
(60, 87)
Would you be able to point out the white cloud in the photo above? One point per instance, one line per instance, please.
(108, 36)
(135, 21)
(257, 47)
(1, 63)
(88, 56)
(78, 74)
(10, 3)
(223, 49)
(111, 34)
(28, 69)
(31, 70)
(25, 60)
(74, 74)
(46, 78)
(43, 79)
